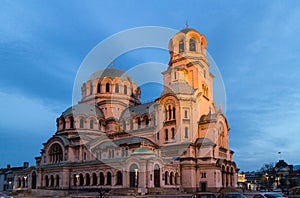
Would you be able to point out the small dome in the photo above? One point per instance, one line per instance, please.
(110, 73)
(186, 30)
(83, 109)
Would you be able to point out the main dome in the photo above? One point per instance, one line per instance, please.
(110, 73)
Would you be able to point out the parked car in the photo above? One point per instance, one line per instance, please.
(268, 195)
(231, 195)
(3, 195)
(204, 195)
(294, 192)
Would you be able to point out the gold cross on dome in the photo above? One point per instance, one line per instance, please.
(112, 64)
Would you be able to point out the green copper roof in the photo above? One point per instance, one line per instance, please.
(110, 73)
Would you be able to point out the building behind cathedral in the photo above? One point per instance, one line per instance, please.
(110, 140)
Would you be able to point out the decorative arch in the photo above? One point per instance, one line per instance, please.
(181, 45)
(87, 179)
(166, 177)
(46, 180)
(52, 181)
(81, 179)
(119, 178)
(171, 178)
(33, 179)
(94, 179)
(81, 122)
(192, 45)
(98, 87)
(102, 178)
(108, 178)
(177, 178)
(57, 180)
(55, 153)
(134, 175)
(156, 175)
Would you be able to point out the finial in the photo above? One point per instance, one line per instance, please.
(186, 24)
(112, 64)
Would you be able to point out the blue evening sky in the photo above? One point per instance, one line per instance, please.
(256, 45)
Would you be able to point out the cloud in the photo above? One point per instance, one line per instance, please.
(21, 113)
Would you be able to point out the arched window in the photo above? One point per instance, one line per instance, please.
(134, 176)
(170, 112)
(57, 180)
(166, 178)
(146, 121)
(166, 134)
(88, 179)
(71, 122)
(81, 123)
(91, 124)
(139, 122)
(94, 179)
(173, 133)
(119, 178)
(176, 178)
(117, 88)
(125, 89)
(19, 181)
(51, 180)
(181, 45)
(75, 180)
(108, 179)
(46, 181)
(101, 178)
(63, 124)
(192, 45)
(107, 87)
(171, 178)
(98, 88)
(81, 180)
(55, 153)
(174, 113)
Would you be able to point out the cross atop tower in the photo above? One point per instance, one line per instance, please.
(186, 24)
(112, 64)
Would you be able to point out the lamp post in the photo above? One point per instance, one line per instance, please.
(267, 177)
(277, 181)
(25, 185)
(77, 182)
(136, 177)
(10, 186)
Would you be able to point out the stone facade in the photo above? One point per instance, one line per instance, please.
(111, 140)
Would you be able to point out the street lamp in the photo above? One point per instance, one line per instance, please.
(277, 181)
(267, 177)
(25, 185)
(136, 177)
(77, 182)
(9, 185)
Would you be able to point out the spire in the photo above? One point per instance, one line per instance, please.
(112, 64)
(186, 24)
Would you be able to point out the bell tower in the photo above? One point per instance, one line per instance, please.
(188, 61)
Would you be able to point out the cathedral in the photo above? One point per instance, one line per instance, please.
(111, 140)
